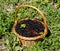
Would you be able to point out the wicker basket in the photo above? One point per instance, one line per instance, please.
(28, 41)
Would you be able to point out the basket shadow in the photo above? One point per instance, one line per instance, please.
(49, 33)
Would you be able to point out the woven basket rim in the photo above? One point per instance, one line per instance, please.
(29, 38)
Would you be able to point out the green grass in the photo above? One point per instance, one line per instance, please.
(52, 14)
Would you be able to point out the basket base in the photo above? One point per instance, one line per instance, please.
(27, 43)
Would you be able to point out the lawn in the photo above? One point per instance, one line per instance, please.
(51, 10)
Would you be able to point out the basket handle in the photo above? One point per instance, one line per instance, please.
(21, 6)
